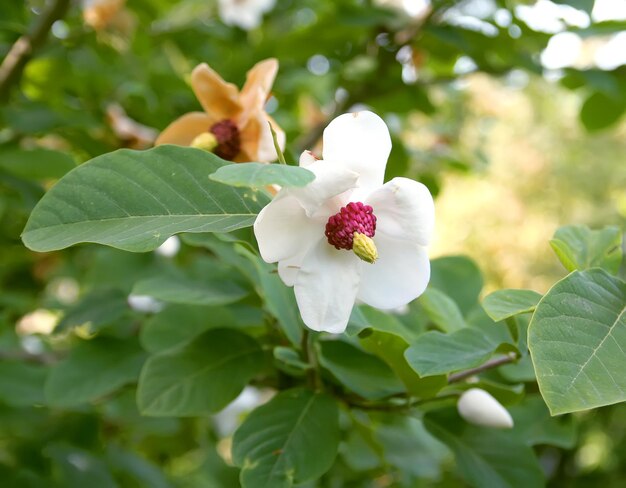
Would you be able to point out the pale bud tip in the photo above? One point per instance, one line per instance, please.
(478, 407)
(364, 248)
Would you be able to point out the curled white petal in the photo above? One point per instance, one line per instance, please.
(282, 229)
(478, 407)
(307, 158)
(400, 274)
(326, 286)
(359, 142)
(404, 210)
(330, 181)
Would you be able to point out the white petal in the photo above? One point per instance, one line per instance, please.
(330, 181)
(326, 287)
(282, 229)
(359, 142)
(480, 408)
(400, 274)
(288, 268)
(307, 158)
(404, 209)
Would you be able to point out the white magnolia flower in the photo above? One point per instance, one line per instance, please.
(312, 231)
(478, 407)
(246, 14)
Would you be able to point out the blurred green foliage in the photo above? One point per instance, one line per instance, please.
(68, 413)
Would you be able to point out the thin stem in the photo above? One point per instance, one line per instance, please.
(397, 407)
(23, 49)
(279, 152)
(492, 363)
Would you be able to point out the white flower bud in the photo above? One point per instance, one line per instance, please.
(144, 304)
(478, 407)
(169, 248)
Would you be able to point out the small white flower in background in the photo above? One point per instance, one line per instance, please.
(40, 321)
(144, 304)
(227, 420)
(169, 248)
(246, 14)
(478, 407)
(347, 236)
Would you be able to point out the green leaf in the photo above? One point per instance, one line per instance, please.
(390, 348)
(182, 290)
(93, 369)
(96, 309)
(178, 324)
(199, 377)
(291, 439)
(442, 310)
(459, 278)
(288, 360)
(259, 175)
(601, 110)
(278, 299)
(36, 164)
(135, 200)
(486, 457)
(576, 340)
(502, 304)
(359, 371)
(435, 353)
(535, 426)
(21, 384)
(579, 247)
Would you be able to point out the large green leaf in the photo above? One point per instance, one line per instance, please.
(135, 200)
(291, 439)
(577, 342)
(434, 353)
(579, 247)
(601, 110)
(361, 372)
(503, 304)
(258, 175)
(486, 457)
(199, 377)
(179, 289)
(93, 369)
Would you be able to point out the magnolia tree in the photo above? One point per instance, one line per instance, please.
(250, 315)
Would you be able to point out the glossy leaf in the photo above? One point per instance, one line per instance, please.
(502, 304)
(579, 247)
(459, 278)
(135, 200)
(199, 377)
(291, 439)
(576, 340)
(435, 353)
(259, 175)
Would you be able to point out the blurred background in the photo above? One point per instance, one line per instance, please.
(510, 111)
